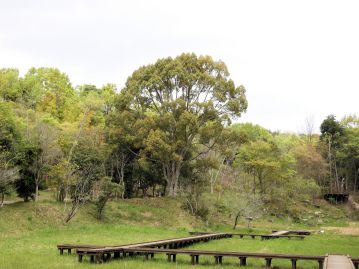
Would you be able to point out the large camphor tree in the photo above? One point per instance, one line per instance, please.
(175, 110)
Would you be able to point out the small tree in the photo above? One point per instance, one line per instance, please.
(80, 192)
(108, 189)
(25, 184)
(248, 206)
(8, 175)
(48, 153)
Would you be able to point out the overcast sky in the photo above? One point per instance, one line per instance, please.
(295, 58)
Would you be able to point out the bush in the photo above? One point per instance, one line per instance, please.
(195, 204)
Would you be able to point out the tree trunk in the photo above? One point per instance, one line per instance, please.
(72, 212)
(214, 178)
(261, 185)
(171, 174)
(2, 199)
(36, 191)
(254, 183)
(236, 220)
(61, 193)
(339, 188)
(330, 164)
(355, 177)
(212, 183)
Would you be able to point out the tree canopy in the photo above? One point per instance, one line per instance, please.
(176, 109)
(168, 131)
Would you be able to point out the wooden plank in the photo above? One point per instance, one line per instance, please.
(145, 244)
(338, 262)
(280, 233)
(298, 232)
(221, 253)
(241, 235)
(72, 246)
(164, 243)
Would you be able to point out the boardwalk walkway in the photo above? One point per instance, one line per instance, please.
(338, 262)
(274, 234)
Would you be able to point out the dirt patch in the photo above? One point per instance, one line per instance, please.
(344, 230)
(146, 214)
(353, 203)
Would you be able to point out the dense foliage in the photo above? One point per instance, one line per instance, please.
(167, 132)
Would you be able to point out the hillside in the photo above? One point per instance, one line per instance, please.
(164, 212)
(29, 232)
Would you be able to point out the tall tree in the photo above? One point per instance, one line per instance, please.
(48, 90)
(8, 175)
(349, 152)
(331, 134)
(44, 137)
(9, 140)
(175, 105)
(9, 84)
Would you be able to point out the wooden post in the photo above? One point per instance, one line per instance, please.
(218, 259)
(61, 251)
(116, 255)
(294, 263)
(152, 255)
(98, 258)
(80, 257)
(242, 261)
(192, 259)
(69, 251)
(174, 257)
(320, 263)
(268, 262)
(168, 257)
(197, 259)
(92, 258)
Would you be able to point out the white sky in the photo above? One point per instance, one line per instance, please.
(295, 58)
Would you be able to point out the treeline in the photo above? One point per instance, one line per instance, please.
(167, 132)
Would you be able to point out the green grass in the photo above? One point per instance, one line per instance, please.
(29, 233)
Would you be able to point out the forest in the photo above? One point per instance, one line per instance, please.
(172, 130)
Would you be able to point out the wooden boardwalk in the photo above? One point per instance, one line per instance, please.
(166, 243)
(218, 256)
(104, 253)
(172, 248)
(338, 262)
(288, 235)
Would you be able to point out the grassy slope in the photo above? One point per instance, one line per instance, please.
(29, 233)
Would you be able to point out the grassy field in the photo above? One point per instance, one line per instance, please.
(29, 233)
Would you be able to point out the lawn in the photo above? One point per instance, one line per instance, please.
(29, 233)
(37, 249)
